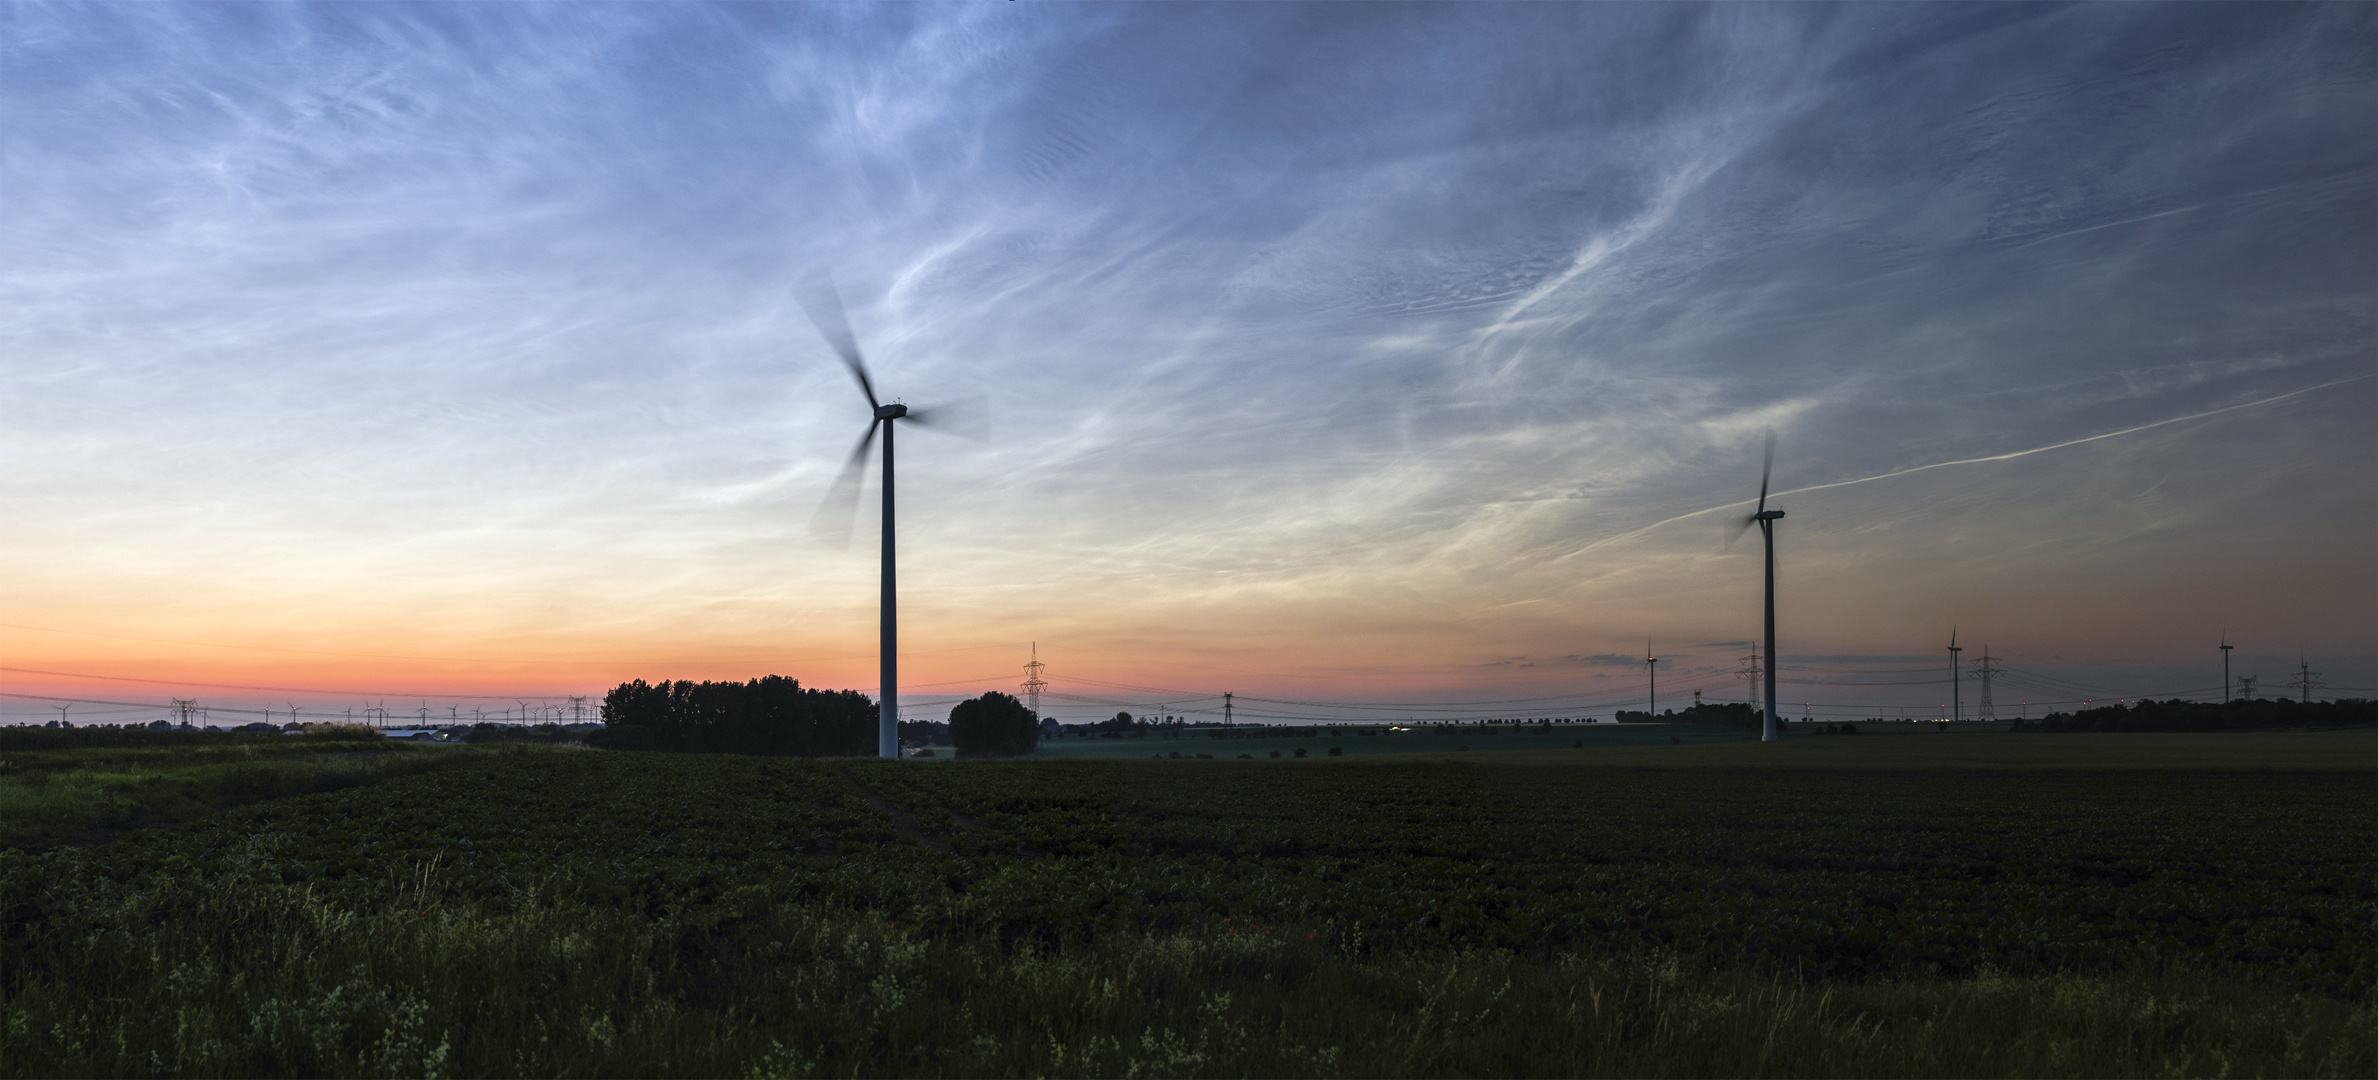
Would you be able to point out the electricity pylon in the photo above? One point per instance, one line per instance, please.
(1985, 667)
(1033, 684)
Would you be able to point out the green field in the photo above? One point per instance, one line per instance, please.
(1666, 745)
(54, 791)
(1927, 904)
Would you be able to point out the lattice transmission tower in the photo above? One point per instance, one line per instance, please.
(1986, 667)
(1749, 672)
(1033, 684)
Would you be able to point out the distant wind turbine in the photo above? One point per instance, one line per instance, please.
(1765, 519)
(1956, 687)
(835, 515)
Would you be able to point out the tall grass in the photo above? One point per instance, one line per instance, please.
(267, 980)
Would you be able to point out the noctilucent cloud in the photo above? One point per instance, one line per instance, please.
(1331, 353)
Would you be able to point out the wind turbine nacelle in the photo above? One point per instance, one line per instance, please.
(1766, 515)
(892, 411)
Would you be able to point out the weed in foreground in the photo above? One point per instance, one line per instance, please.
(273, 982)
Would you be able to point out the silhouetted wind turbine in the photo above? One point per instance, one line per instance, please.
(1765, 519)
(834, 517)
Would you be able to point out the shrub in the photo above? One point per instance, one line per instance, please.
(993, 725)
(1300, 751)
(1275, 753)
(1337, 751)
(622, 737)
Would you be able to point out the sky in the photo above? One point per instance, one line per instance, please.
(448, 357)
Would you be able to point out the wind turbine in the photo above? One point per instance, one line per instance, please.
(1652, 664)
(1765, 519)
(2225, 648)
(834, 516)
(1956, 686)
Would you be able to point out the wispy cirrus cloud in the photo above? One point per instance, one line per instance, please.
(1384, 340)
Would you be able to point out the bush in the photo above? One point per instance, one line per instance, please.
(993, 725)
(621, 737)
(1337, 751)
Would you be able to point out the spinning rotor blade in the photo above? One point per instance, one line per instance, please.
(834, 517)
(1764, 469)
(966, 418)
(1742, 524)
(824, 306)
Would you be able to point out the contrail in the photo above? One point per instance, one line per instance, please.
(1972, 461)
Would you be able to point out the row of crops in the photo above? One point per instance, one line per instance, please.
(1825, 875)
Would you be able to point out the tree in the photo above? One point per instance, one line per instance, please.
(769, 715)
(993, 725)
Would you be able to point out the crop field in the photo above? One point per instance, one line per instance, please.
(55, 791)
(1907, 906)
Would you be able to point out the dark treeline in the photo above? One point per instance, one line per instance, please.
(28, 737)
(2177, 715)
(770, 715)
(1713, 714)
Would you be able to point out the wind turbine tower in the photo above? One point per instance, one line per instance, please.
(1765, 519)
(2225, 648)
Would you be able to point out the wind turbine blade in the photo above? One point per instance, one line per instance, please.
(834, 517)
(1765, 469)
(824, 305)
(1741, 525)
(966, 418)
